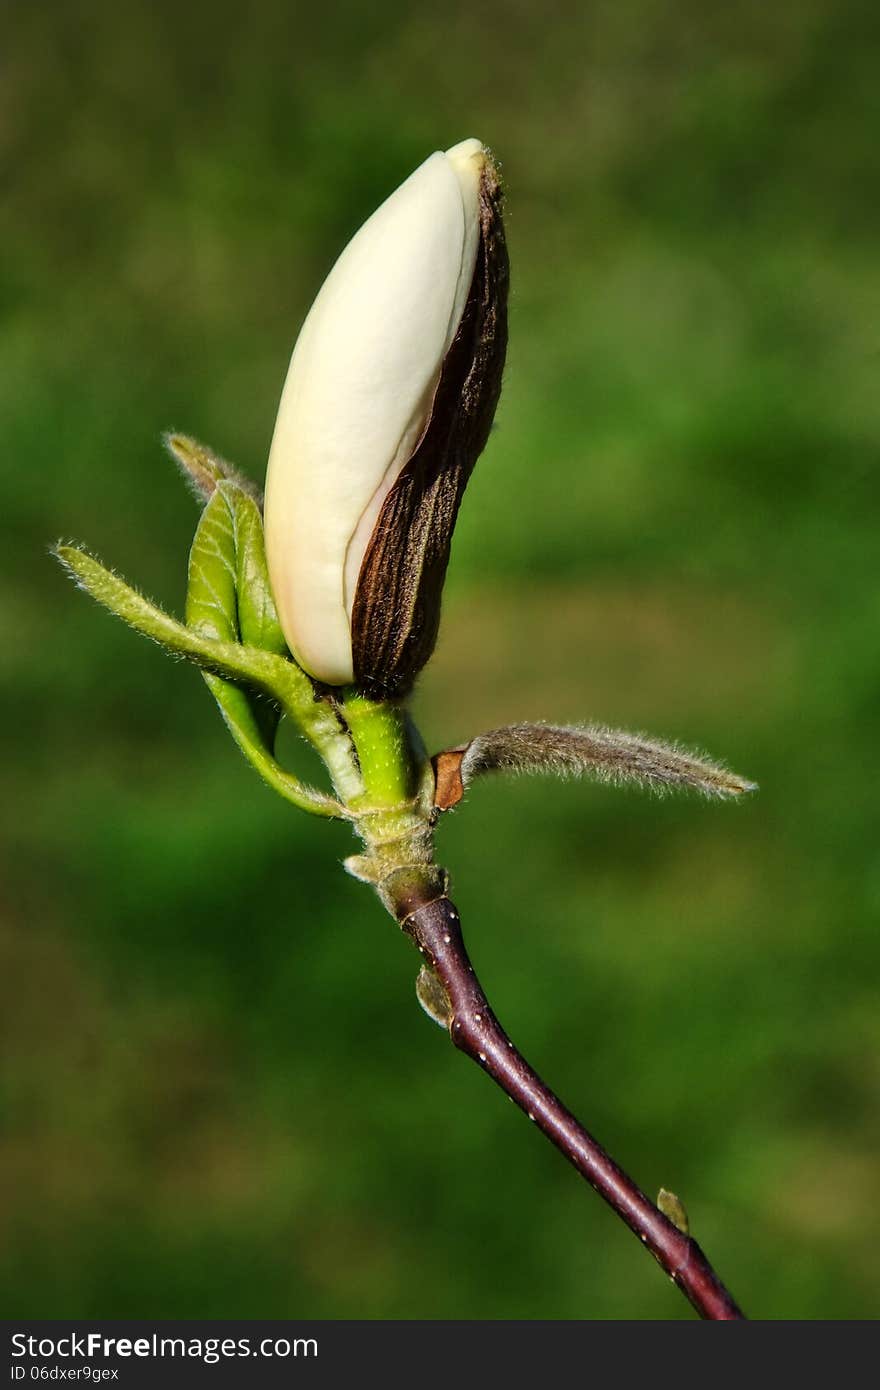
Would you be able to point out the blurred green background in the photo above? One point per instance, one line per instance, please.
(219, 1095)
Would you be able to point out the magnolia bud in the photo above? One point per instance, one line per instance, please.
(388, 403)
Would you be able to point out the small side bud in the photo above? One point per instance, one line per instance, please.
(673, 1209)
(211, 642)
(431, 994)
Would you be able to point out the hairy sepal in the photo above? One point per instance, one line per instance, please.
(608, 755)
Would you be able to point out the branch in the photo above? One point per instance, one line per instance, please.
(451, 993)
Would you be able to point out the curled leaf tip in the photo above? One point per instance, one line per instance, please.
(204, 469)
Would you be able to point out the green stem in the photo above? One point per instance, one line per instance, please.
(389, 761)
(393, 811)
(322, 723)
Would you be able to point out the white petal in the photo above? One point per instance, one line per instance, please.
(357, 396)
(468, 159)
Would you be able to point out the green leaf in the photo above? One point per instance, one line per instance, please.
(228, 594)
(241, 717)
(211, 601)
(673, 1209)
(257, 615)
(280, 679)
(228, 598)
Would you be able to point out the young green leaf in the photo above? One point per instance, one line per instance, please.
(257, 616)
(281, 680)
(240, 715)
(225, 582)
(211, 600)
(228, 597)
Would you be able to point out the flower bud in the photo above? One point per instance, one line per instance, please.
(388, 403)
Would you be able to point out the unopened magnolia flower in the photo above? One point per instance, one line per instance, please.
(389, 399)
(388, 402)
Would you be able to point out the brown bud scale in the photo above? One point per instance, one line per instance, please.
(396, 610)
